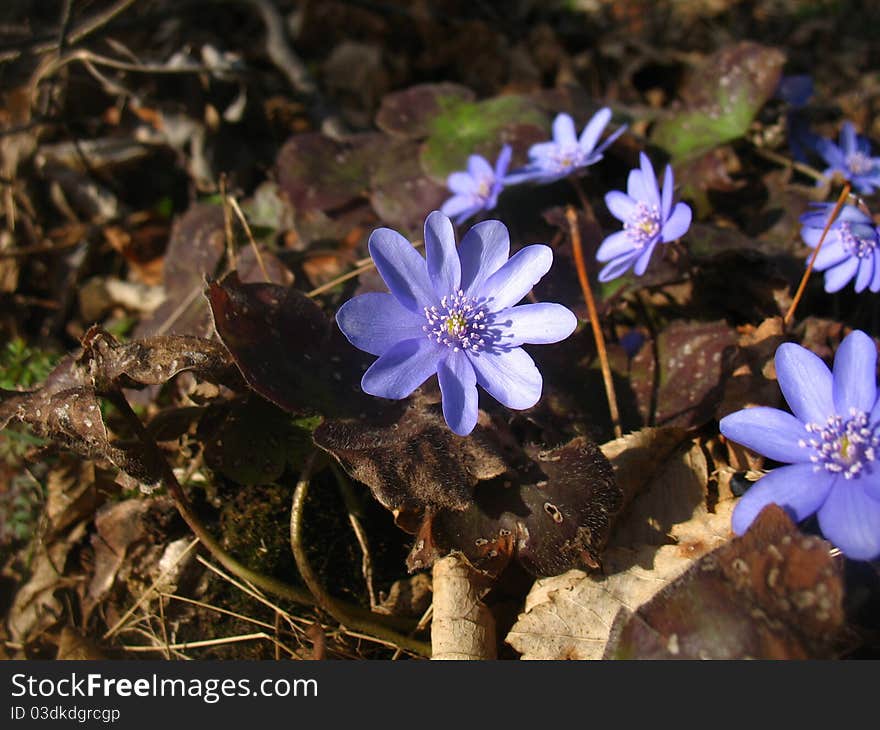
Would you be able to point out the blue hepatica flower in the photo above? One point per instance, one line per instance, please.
(648, 218)
(851, 159)
(831, 445)
(851, 249)
(478, 188)
(566, 152)
(453, 314)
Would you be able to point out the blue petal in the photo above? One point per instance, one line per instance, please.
(635, 186)
(479, 167)
(805, 382)
(875, 281)
(375, 322)
(678, 223)
(535, 324)
(644, 258)
(563, 130)
(461, 182)
(850, 519)
(797, 488)
(460, 207)
(617, 267)
(483, 250)
(516, 278)
(403, 368)
(848, 141)
(839, 276)
(831, 253)
(614, 245)
(458, 387)
(607, 142)
(509, 376)
(768, 431)
(503, 162)
(402, 269)
(855, 373)
(594, 129)
(650, 181)
(666, 196)
(865, 273)
(621, 205)
(442, 256)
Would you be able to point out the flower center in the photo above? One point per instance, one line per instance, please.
(859, 163)
(484, 188)
(644, 226)
(568, 157)
(855, 245)
(459, 322)
(843, 445)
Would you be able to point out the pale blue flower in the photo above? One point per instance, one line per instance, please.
(648, 217)
(566, 152)
(477, 188)
(453, 314)
(831, 445)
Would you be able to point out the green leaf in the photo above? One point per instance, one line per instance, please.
(464, 128)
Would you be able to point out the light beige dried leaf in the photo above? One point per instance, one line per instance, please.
(675, 493)
(574, 620)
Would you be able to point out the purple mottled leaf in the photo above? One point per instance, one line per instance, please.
(694, 360)
(773, 593)
(408, 113)
(400, 192)
(315, 172)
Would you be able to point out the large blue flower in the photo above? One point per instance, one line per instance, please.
(454, 314)
(831, 443)
(851, 159)
(851, 249)
(566, 152)
(478, 187)
(648, 218)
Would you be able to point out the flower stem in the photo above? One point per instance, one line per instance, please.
(803, 285)
(571, 216)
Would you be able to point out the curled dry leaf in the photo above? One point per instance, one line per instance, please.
(461, 627)
(411, 460)
(117, 526)
(66, 406)
(552, 513)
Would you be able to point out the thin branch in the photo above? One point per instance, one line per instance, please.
(324, 599)
(584, 279)
(250, 236)
(844, 194)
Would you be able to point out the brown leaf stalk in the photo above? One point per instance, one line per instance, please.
(571, 216)
(844, 194)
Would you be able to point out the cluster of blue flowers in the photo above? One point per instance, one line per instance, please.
(648, 215)
(456, 313)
